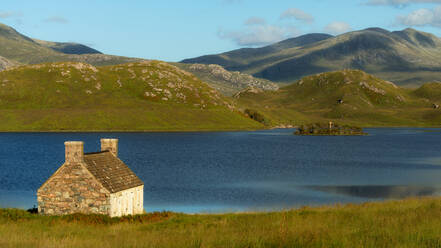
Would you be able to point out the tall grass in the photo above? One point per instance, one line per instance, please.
(406, 223)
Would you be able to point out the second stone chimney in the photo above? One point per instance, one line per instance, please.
(74, 151)
(110, 145)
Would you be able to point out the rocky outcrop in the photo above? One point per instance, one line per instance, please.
(235, 80)
(249, 90)
(5, 63)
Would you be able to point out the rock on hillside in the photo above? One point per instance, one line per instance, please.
(249, 90)
(225, 81)
(5, 63)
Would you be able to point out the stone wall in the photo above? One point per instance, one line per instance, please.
(73, 189)
(127, 202)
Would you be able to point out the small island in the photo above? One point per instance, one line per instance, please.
(329, 129)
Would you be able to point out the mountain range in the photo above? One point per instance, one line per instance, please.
(408, 57)
(47, 86)
(16, 48)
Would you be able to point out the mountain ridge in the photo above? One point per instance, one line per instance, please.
(68, 47)
(406, 57)
(22, 49)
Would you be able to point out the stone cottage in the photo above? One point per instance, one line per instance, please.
(98, 183)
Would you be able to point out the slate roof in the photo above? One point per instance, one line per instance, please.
(111, 172)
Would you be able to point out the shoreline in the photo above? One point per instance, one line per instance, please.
(263, 210)
(198, 130)
(331, 206)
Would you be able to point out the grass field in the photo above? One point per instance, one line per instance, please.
(404, 223)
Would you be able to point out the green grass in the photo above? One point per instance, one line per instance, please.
(146, 96)
(405, 223)
(367, 102)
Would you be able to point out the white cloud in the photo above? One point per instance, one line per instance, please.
(297, 14)
(258, 35)
(10, 14)
(337, 28)
(422, 17)
(399, 3)
(255, 21)
(56, 19)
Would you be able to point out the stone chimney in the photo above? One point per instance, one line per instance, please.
(74, 151)
(110, 145)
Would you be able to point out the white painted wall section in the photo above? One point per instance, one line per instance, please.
(127, 202)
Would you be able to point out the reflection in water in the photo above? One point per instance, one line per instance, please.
(427, 161)
(380, 191)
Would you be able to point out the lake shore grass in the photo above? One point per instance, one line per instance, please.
(414, 222)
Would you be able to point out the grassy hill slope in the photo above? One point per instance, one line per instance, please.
(149, 95)
(349, 96)
(406, 57)
(431, 91)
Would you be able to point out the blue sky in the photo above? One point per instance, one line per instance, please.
(172, 30)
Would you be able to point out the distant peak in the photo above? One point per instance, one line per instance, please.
(377, 29)
(7, 28)
(411, 30)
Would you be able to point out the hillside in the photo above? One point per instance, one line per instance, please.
(226, 82)
(431, 91)
(408, 57)
(148, 95)
(349, 96)
(22, 49)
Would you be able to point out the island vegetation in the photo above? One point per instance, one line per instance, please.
(328, 129)
(403, 223)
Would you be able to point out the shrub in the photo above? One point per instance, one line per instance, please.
(253, 114)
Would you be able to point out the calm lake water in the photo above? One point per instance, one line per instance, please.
(241, 171)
